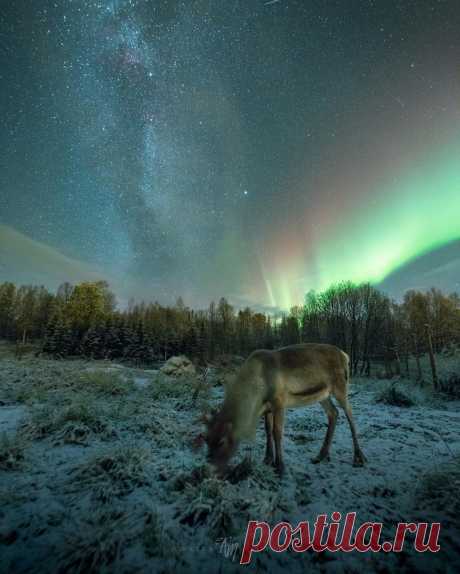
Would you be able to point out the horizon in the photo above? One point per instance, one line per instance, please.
(48, 258)
(123, 305)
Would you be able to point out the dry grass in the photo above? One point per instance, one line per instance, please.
(192, 478)
(113, 473)
(104, 383)
(97, 545)
(150, 461)
(77, 422)
(11, 451)
(203, 504)
(163, 387)
(100, 543)
(219, 504)
(37, 380)
(33, 381)
(396, 396)
(161, 426)
(157, 540)
(439, 489)
(12, 496)
(153, 535)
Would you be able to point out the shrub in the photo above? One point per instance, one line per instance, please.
(450, 385)
(398, 397)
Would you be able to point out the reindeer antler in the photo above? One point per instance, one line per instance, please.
(198, 441)
(200, 385)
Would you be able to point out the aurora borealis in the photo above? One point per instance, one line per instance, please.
(245, 149)
(411, 215)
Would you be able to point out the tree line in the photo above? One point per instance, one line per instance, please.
(84, 320)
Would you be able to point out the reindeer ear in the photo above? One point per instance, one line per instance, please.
(206, 418)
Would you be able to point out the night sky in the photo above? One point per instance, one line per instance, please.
(250, 149)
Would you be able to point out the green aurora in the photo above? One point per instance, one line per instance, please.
(417, 212)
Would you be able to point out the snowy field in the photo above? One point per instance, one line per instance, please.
(97, 473)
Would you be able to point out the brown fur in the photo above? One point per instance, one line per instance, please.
(267, 384)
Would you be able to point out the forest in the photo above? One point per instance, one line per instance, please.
(376, 331)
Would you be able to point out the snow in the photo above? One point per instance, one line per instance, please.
(10, 417)
(142, 500)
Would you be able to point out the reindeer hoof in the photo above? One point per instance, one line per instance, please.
(320, 458)
(359, 459)
(279, 469)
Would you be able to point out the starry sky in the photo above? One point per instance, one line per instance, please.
(251, 149)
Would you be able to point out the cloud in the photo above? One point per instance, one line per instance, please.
(25, 260)
(439, 268)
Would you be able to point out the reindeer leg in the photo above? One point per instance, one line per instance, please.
(332, 414)
(278, 423)
(359, 459)
(269, 432)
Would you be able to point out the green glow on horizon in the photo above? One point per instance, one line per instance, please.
(416, 214)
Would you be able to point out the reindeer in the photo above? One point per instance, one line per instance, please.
(267, 384)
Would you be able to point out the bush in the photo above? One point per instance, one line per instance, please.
(105, 383)
(450, 385)
(395, 396)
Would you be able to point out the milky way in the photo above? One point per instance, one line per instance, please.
(251, 150)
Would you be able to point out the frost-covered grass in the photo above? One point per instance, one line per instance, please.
(447, 368)
(164, 387)
(75, 422)
(97, 473)
(11, 451)
(447, 364)
(104, 383)
(112, 472)
(95, 545)
(440, 487)
(397, 395)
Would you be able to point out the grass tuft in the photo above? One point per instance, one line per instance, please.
(113, 473)
(75, 423)
(105, 383)
(395, 396)
(96, 546)
(164, 387)
(11, 452)
(157, 540)
(438, 488)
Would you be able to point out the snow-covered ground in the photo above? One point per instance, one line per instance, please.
(97, 474)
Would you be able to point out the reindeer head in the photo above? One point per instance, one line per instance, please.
(219, 437)
(220, 440)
